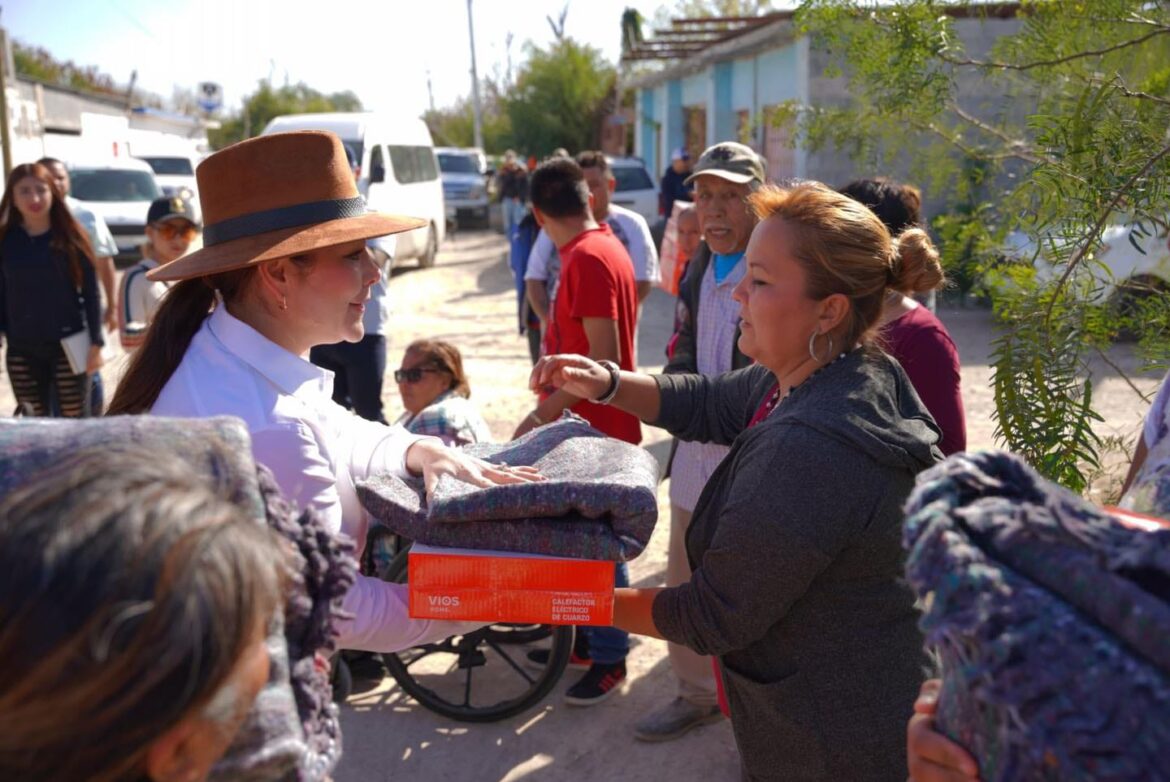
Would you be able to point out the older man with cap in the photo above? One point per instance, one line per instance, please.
(707, 343)
(676, 182)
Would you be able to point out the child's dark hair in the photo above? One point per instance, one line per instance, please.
(558, 188)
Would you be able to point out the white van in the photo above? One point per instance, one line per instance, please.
(397, 170)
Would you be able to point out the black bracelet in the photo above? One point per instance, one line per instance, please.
(615, 379)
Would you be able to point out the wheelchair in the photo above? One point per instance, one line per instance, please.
(481, 676)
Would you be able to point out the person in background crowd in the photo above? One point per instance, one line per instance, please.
(512, 187)
(437, 400)
(359, 368)
(48, 291)
(676, 183)
(436, 395)
(690, 236)
(897, 205)
(519, 250)
(104, 250)
(795, 545)
(706, 342)
(544, 263)
(133, 614)
(284, 267)
(595, 314)
(913, 334)
(170, 227)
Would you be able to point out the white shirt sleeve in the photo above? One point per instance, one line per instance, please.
(382, 620)
(643, 251)
(538, 258)
(104, 245)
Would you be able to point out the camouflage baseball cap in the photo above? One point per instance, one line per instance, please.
(731, 161)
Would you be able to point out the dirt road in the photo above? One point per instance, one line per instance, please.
(468, 299)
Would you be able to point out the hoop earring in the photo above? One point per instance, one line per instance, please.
(812, 351)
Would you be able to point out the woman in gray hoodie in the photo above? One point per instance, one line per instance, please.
(795, 543)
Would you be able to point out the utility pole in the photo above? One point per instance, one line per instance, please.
(430, 90)
(475, 107)
(5, 123)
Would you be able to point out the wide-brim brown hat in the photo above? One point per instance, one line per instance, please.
(274, 196)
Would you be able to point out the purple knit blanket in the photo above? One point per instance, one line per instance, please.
(599, 499)
(1052, 622)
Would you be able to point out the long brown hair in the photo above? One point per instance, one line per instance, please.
(66, 236)
(180, 314)
(132, 587)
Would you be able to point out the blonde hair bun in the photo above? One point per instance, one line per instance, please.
(916, 268)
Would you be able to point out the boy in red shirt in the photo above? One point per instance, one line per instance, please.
(596, 307)
(595, 314)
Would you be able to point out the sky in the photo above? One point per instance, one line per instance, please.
(382, 50)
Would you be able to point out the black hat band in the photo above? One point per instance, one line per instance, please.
(282, 217)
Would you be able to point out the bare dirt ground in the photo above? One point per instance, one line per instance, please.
(468, 299)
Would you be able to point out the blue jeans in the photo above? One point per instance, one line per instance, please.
(609, 645)
(97, 395)
(513, 214)
(358, 369)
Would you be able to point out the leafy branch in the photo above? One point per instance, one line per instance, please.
(1011, 66)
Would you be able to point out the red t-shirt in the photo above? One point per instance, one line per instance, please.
(597, 281)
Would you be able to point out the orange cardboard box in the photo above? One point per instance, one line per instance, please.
(503, 586)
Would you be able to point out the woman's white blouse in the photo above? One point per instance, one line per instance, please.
(315, 448)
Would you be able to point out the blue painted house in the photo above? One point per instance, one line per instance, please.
(720, 78)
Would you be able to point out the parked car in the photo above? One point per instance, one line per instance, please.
(635, 189)
(175, 174)
(465, 184)
(1138, 262)
(119, 191)
(397, 171)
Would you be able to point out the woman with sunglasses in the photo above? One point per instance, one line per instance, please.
(170, 228)
(48, 291)
(435, 394)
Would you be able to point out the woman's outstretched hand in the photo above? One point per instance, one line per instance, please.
(577, 375)
(434, 460)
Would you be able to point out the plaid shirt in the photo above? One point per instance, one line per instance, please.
(715, 332)
(451, 418)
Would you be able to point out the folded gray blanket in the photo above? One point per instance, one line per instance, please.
(1052, 622)
(599, 499)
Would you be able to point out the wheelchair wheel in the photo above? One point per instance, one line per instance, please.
(482, 676)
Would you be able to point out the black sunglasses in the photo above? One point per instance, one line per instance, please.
(412, 375)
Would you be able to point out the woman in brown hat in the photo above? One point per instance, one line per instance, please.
(283, 268)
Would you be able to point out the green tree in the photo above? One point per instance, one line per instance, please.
(268, 102)
(453, 126)
(1078, 142)
(560, 97)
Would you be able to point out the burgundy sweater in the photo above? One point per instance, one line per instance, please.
(921, 344)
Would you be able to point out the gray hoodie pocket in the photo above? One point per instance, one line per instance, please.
(777, 728)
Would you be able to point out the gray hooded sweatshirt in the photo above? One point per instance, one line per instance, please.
(796, 550)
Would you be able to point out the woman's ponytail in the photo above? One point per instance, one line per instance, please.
(916, 268)
(180, 314)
